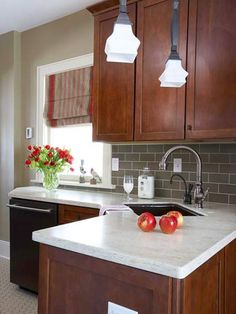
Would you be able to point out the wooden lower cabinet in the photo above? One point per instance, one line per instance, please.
(75, 283)
(230, 278)
(203, 290)
(69, 213)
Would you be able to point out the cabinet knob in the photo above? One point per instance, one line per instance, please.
(189, 127)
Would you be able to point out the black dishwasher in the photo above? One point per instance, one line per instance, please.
(27, 216)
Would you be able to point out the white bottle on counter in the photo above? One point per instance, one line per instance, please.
(146, 184)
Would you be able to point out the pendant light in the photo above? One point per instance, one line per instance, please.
(122, 45)
(174, 75)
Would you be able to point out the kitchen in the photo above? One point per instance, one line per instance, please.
(72, 36)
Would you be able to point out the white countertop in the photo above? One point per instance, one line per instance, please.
(116, 237)
(89, 198)
(93, 199)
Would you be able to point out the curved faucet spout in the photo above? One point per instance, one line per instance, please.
(199, 195)
(163, 162)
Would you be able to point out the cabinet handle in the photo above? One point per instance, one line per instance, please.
(41, 210)
(189, 127)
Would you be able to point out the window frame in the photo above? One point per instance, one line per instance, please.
(41, 131)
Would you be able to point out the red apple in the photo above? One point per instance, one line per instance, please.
(168, 224)
(146, 222)
(178, 215)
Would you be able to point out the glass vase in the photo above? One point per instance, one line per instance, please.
(50, 181)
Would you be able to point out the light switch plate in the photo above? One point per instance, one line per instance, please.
(115, 164)
(28, 133)
(177, 165)
(118, 309)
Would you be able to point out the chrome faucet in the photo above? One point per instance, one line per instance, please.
(199, 194)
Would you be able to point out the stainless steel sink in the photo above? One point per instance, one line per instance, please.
(161, 209)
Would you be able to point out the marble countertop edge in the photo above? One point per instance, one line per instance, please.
(205, 256)
(114, 256)
(178, 272)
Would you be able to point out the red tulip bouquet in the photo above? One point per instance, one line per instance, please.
(50, 161)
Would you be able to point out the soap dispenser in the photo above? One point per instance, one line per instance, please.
(146, 184)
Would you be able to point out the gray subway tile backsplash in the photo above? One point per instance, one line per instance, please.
(227, 168)
(233, 179)
(140, 148)
(232, 158)
(132, 157)
(232, 199)
(218, 198)
(227, 188)
(147, 157)
(219, 168)
(219, 158)
(218, 178)
(209, 148)
(228, 148)
(125, 148)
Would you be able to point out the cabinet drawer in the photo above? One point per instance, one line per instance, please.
(68, 213)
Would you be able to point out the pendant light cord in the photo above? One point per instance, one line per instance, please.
(123, 17)
(174, 31)
(123, 6)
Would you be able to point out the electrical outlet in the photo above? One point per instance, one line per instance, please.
(118, 309)
(177, 165)
(115, 164)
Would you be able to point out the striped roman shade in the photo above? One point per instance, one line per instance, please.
(68, 97)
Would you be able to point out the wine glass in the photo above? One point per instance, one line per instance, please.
(128, 185)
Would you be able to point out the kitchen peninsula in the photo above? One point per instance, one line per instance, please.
(85, 264)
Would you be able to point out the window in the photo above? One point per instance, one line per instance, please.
(78, 138)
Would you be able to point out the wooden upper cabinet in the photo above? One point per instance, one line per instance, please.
(113, 111)
(159, 112)
(129, 103)
(211, 90)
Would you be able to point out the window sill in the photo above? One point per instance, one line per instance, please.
(82, 185)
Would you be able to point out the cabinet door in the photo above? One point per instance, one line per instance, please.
(230, 278)
(160, 112)
(211, 91)
(113, 111)
(69, 213)
(72, 283)
(203, 289)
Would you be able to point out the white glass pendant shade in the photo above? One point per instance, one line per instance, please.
(174, 74)
(122, 45)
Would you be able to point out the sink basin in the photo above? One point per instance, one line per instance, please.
(161, 209)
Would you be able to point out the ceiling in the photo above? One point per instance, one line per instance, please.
(20, 15)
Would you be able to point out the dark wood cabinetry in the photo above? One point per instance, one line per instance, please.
(113, 110)
(159, 112)
(205, 108)
(69, 213)
(230, 278)
(89, 283)
(211, 88)
(203, 290)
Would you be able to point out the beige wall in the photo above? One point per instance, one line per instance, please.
(9, 129)
(20, 54)
(62, 39)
